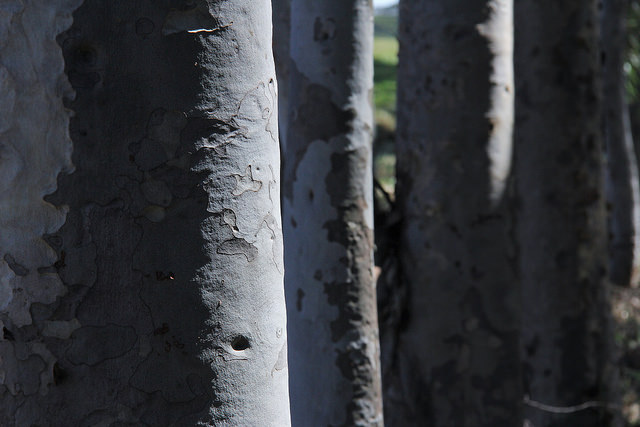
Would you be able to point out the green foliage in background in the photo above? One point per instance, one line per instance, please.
(385, 53)
(632, 65)
(386, 24)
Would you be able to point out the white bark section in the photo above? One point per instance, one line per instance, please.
(499, 32)
(34, 148)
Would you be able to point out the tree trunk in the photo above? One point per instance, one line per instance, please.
(281, 35)
(165, 305)
(623, 194)
(561, 218)
(328, 216)
(456, 362)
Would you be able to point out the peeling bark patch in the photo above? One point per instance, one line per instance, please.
(229, 218)
(18, 269)
(344, 166)
(192, 20)
(162, 139)
(238, 246)
(34, 132)
(339, 295)
(93, 345)
(144, 26)
(211, 132)
(317, 118)
(281, 363)
(246, 183)
(324, 29)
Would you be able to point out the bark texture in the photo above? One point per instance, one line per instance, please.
(160, 300)
(328, 216)
(561, 218)
(456, 360)
(622, 180)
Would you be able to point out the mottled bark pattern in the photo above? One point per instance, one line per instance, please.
(456, 359)
(328, 217)
(623, 194)
(172, 311)
(561, 218)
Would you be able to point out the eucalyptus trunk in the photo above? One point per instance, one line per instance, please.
(328, 216)
(456, 360)
(561, 216)
(622, 180)
(148, 288)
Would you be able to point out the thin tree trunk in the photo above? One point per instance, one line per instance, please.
(166, 304)
(561, 219)
(456, 361)
(328, 216)
(622, 169)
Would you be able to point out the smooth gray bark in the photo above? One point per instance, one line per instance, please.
(456, 360)
(561, 216)
(622, 185)
(328, 216)
(159, 300)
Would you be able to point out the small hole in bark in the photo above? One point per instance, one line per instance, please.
(240, 343)
(59, 374)
(7, 334)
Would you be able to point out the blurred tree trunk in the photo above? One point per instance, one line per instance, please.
(328, 216)
(622, 170)
(456, 361)
(281, 35)
(561, 217)
(165, 305)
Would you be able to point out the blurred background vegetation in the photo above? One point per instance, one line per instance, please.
(385, 54)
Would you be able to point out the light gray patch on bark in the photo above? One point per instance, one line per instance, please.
(246, 183)
(34, 149)
(238, 247)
